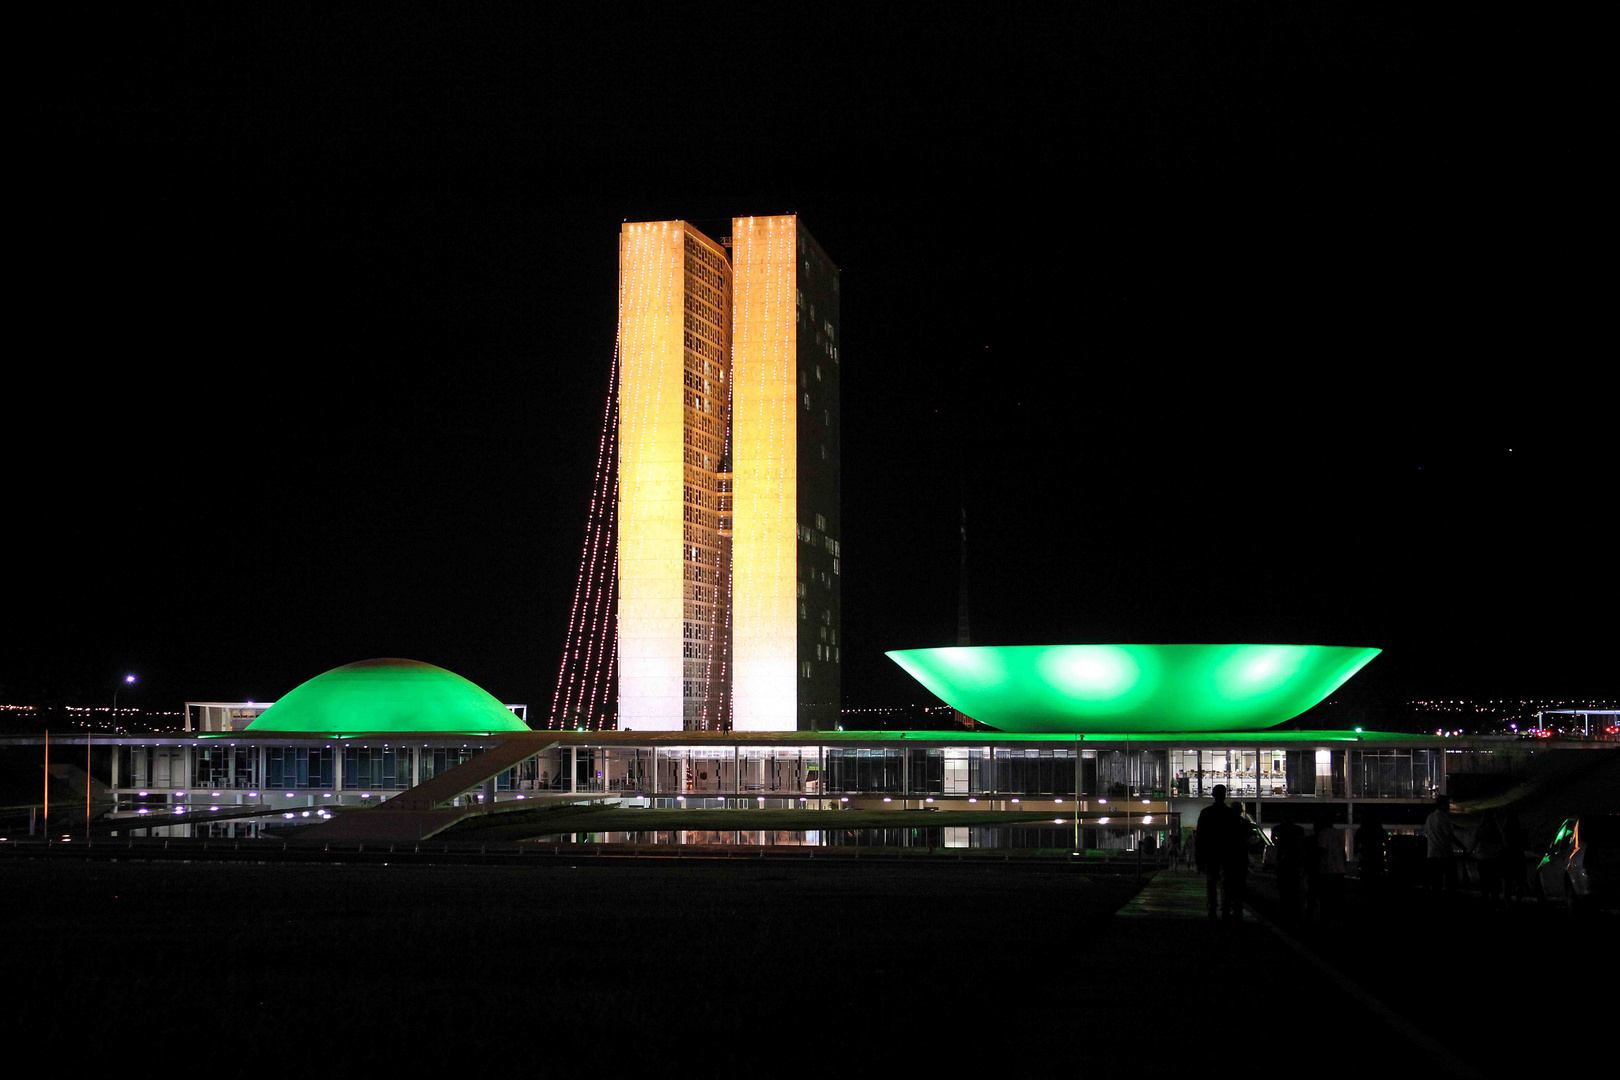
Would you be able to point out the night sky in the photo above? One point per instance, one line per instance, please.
(1229, 323)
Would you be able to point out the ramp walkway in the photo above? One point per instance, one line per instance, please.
(419, 812)
(384, 825)
(431, 794)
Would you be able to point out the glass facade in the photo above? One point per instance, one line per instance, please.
(843, 770)
(298, 767)
(1026, 839)
(852, 771)
(772, 770)
(701, 770)
(608, 769)
(1246, 772)
(377, 768)
(1394, 774)
(223, 767)
(731, 770)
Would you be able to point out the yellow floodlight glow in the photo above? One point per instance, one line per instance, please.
(765, 474)
(650, 469)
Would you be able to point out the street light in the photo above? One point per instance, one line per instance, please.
(129, 680)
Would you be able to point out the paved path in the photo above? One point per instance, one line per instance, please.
(1172, 894)
(1169, 919)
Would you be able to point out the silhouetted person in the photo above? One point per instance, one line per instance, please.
(1490, 846)
(1327, 884)
(1515, 842)
(1372, 840)
(1289, 840)
(1440, 836)
(1223, 856)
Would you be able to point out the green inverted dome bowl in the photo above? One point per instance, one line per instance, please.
(387, 695)
(1129, 688)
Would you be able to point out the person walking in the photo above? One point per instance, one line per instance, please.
(1372, 840)
(1289, 839)
(1327, 887)
(1489, 850)
(1223, 857)
(1442, 843)
(1514, 844)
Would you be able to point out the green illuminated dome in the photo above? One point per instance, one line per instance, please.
(1130, 688)
(387, 696)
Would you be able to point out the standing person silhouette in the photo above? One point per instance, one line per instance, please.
(1443, 843)
(1372, 839)
(1514, 843)
(1489, 852)
(1327, 885)
(1223, 856)
(1289, 839)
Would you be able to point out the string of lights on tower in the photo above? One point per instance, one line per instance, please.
(706, 596)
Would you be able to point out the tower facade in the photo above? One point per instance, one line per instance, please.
(787, 550)
(673, 561)
(729, 542)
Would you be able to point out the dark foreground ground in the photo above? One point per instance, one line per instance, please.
(688, 967)
(1511, 988)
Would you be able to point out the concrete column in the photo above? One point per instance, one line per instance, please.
(1260, 760)
(573, 770)
(337, 773)
(1349, 792)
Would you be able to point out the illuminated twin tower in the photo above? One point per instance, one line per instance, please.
(728, 449)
